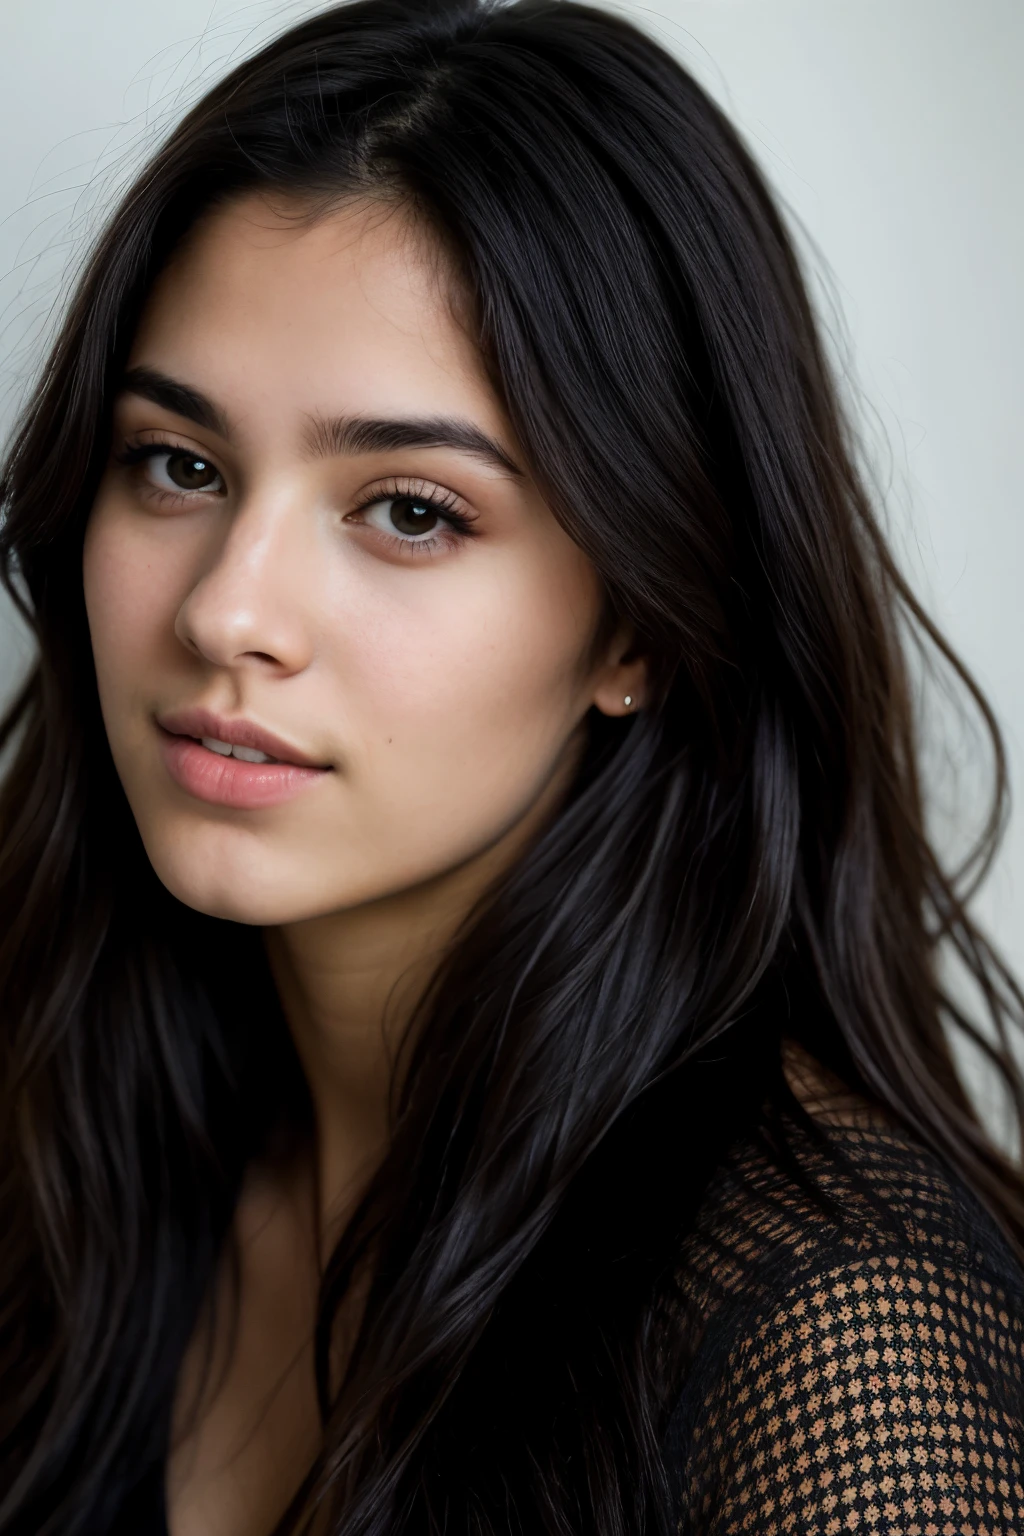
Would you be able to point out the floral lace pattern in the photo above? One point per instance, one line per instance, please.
(851, 1377)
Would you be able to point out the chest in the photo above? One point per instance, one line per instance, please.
(246, 1422)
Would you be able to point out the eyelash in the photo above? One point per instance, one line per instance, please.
(460, 524)
(445, 504)
(134, 454)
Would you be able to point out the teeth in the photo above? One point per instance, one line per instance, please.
(250, 755)
(244, 754)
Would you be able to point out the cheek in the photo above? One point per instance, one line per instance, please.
(470, 692)
(130, 604)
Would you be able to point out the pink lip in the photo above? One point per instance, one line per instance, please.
(227, 780)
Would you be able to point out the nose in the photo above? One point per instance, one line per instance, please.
(250, 604)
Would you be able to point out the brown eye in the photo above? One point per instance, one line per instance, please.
(190, 473)
(414, 520)
(411, 516)
(171, 470)
(175, 471)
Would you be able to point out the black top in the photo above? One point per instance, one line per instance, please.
(854, 1373)
(862, 1374)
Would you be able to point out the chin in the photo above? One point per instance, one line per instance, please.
(238, 882)
(231, 906)
(234, 902)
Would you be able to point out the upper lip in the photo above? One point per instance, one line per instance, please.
(237, 732)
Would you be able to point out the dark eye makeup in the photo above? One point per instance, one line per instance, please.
(193, 471)
(416, 508)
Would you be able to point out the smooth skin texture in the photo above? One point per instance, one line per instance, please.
(260, 565)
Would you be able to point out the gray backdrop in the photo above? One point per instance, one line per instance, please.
(893, 129)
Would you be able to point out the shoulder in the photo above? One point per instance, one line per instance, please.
(860, 1374)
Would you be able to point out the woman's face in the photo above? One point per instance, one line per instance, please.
(315, 542)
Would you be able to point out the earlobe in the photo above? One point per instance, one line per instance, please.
(621, 683)
(622, 694)
(630, 705)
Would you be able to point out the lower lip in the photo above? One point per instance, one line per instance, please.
(228, 781)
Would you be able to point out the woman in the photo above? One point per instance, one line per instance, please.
(474, 1030)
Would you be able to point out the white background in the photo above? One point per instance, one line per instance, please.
(893, 130)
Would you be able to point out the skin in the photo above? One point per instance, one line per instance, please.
(445, 689)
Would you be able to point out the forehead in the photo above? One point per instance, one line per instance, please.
(348, 310)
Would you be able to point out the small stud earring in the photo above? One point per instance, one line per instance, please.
(628, 700)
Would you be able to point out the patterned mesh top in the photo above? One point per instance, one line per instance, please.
(860, 1373)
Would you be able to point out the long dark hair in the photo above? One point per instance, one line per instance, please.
(745, 860)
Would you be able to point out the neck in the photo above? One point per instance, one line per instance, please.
(349, 984)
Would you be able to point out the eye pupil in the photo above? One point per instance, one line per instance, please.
(410, 516)
(190, 473)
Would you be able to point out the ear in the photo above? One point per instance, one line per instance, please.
(621, 681)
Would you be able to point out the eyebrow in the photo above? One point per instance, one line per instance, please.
(326, 437)
(175, 396)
